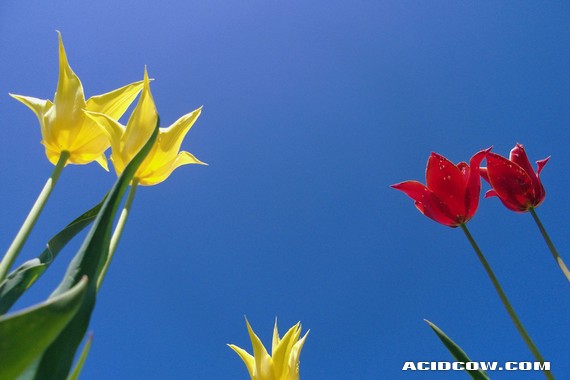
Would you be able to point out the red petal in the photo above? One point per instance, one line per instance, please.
(427, 202)
(484, 174)
(473, 190)
(518, 156)
(464, 169)
(541, 163)
(511, 182)
(447, 182)
(511, 206)
(540, 193)
(491, 193)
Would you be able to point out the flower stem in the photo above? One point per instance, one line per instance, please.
(555, 254)
(118, 231)
(506, 302)
(32, 217)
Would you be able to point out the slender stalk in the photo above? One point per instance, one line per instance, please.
(32, 217)
(553, 250)
(118, 230)
(506, 302)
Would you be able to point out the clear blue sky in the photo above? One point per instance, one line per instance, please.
(311, 110)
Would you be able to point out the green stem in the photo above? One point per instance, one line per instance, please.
(553, 250)
(118, 230)
(506, 302)
(32, 217)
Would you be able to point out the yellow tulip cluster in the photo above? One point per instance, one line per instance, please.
(79, 131)
(82, 130)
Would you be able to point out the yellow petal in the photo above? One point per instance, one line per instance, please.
(115, 132)
(247, 359)
(276, 339)
(283, 349)
(156, 171)
(102, 160)
(40, 108)
(141, 124)
(263, 362)
(172, 137)
(115, 103)
(294, 359)
(68, 101)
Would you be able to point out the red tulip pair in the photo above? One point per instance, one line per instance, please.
(451, 193)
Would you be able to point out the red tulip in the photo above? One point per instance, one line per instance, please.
(514, 181)
(451, 196)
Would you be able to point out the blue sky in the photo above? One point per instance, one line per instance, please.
(311, 110)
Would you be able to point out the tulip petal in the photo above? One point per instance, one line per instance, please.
(427, 202)
(246, 357)
(540, 193)
(263, 362)
(283, 349)
(171, 138)
(510, 181)
(115, 103)
(114, 131)
(40, 108)
(142, 122)
(102, 160)
(447, 182)
(484, 174)
(275, 341)
(519, 156)
(294, 357)
(473, 189)
(69, 100)
(540, 164)
(152, 175)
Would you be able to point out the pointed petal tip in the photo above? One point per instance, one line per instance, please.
(145, 73)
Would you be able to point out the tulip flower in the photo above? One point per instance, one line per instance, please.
(520, 189)
(65, 128)
(283, 364)
(164, 157)
(451, 193)
(68, 136)
(126, 141)
(451, 197)
(513, 180)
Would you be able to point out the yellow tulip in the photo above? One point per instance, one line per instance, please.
(63, 123)
(127, 140)
(283, 364)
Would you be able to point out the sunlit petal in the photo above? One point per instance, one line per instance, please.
(141, 124)
(247, 359)
(171, 138)
(115, 103)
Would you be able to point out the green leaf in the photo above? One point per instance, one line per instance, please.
(17, 282)
(26, 334)
(57, 360)
(81, 361)
(457, 352)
